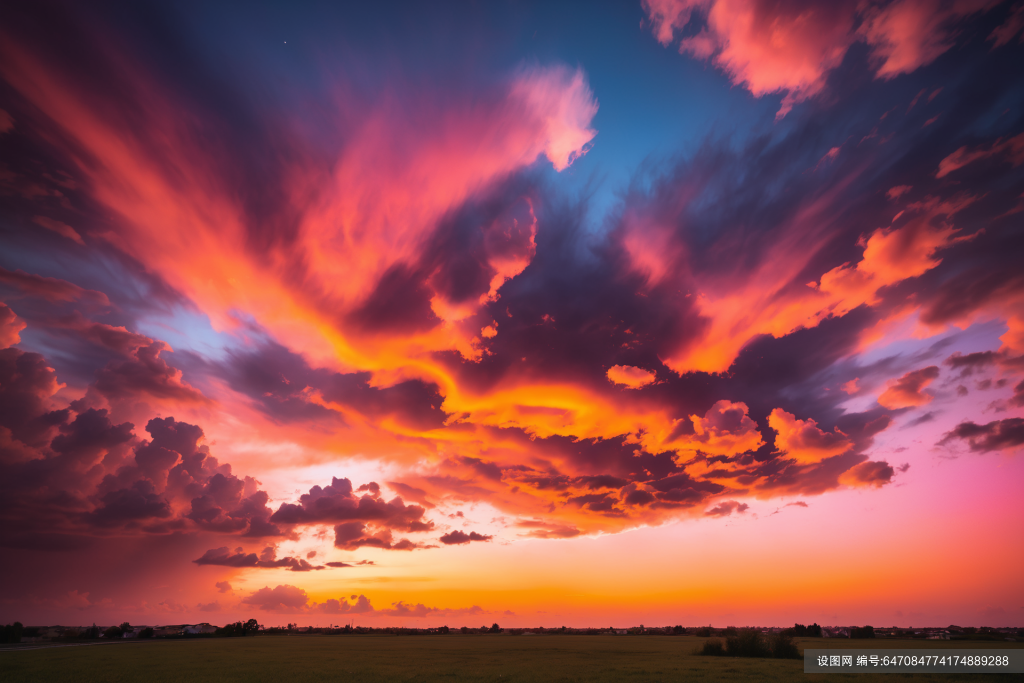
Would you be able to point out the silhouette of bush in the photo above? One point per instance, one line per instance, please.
(11, 633)
(751, 643)
(783, 647)
(865, 632)
(146, 633)
(747, 643)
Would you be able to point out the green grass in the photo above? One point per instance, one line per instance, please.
(498, 658)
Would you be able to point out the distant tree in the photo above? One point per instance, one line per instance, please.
(678, 630)
(443, 629)
(125, 627)
(91, 632)
(464, 629)
(801, 631)
(495, 628)
(704, 632)
(712, 648)
(11, 633)
(146, 633)
(865, 632)
(113, 632)
(250, 627)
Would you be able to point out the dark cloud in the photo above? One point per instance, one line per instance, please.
(458, 537)
(146, 373)
(138, 503)
(726, 508)
(353, 535)
(1018, 395)
(997, 435)
(49, 288)
(278, 381)
(337, 502)
(222, 557)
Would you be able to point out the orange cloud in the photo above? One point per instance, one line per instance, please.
(630, 376)
(10, 326)
(907, 391)
(803, 441)
(769, 299)
(727, 429)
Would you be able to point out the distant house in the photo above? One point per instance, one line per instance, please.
(196, 629)
(167, 631)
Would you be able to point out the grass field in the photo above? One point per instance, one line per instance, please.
(432, 658)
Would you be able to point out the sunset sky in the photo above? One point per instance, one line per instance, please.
(597, 314)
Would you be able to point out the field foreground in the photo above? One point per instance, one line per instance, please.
(432, 658)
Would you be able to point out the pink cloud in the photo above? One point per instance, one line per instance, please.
(10, 326)
(1012, 147)
(790, 47)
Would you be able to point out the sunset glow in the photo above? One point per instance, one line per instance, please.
(664, 312)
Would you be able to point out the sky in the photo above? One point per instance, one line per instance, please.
(588, 314)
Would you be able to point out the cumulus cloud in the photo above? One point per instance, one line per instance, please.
(267, 559)
(282, 598)
(803, 441)
(458, 537)
(726, 428)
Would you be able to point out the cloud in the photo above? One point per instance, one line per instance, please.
(10, 326)
(540, 529)
(458, 537)
(803, 441)
(222, 557)
(997, 435)
(907, 391)
(1012, 148)
(630, 376)
(726, 508)
(62, 229)
(360, 605)
(870, 473)
(792, 47)
(145, 372)
(1005, 32)
(353, 535)
(726, 428)
(50, 289)
(223, 587)
(337, 503)
(282, 599)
